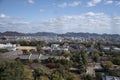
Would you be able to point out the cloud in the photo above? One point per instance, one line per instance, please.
(85, 22)
(19, 23)
(90, 13)
(4, 16)
(93, 3)
(63, 5)
(42, 10)
(31, 1)
(109, 1)
(118, 3)
(75, 3)
(72, 4)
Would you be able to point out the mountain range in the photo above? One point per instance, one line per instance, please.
(70, 34)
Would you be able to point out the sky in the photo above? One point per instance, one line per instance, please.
(60, 16)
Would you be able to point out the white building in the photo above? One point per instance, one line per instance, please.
(8, 46)
(56, 47)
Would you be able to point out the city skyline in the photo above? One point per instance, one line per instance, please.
(29, 16)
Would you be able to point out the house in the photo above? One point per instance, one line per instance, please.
(111, 78)
(55, 47)
(12, 53)
(116, 49)
(8, 46)
(106, 48)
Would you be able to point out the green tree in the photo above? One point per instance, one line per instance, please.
(114, 73)
(51, 60)
(89, 77)
(76, 57)
(40, 50)
(32, 51)
(98, 76)
(108, 65)
(37, 61)
(61, 75)
(81, 68)
(116, 60)
(95, 56)
(84, 57)
(66, 53)
(39, 73)
(70, 76)
(13, 70)
(43, 78)
(28, 75)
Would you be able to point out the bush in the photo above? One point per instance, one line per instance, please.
(51, 65)
(88, 77)
(37, 61)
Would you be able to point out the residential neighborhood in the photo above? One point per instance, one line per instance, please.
(80, 58)
(59, 39)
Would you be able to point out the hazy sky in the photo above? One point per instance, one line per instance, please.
(60, 16)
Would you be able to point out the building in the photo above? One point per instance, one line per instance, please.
(12, 53)
(8, 46)
(111, 78)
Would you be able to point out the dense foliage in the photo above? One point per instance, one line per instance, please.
(14, 70)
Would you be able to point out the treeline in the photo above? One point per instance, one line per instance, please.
(14, 70)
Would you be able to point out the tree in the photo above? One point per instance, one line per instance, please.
(61, 75)
(116, 61)
(51, 65)
(66, 63)
(108, 65)
(84, 57)
(40, 73)
(26, 52)
(51, 60)
(81, 68)
(89, 77)
(114, 73)
(32, 51)
(28, 75)
(95, 56)
(43, 78)
(56, 76)
(70, 76)
(98, 76)
(66, 53)
(40, 50)
(13, 70)
(76, 57)
(37, 61)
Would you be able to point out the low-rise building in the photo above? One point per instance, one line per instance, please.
(111, 78)
(8, 46)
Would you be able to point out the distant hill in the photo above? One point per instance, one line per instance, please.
(69, 34)
(11, 33)
(42, 34)
(72, 34)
